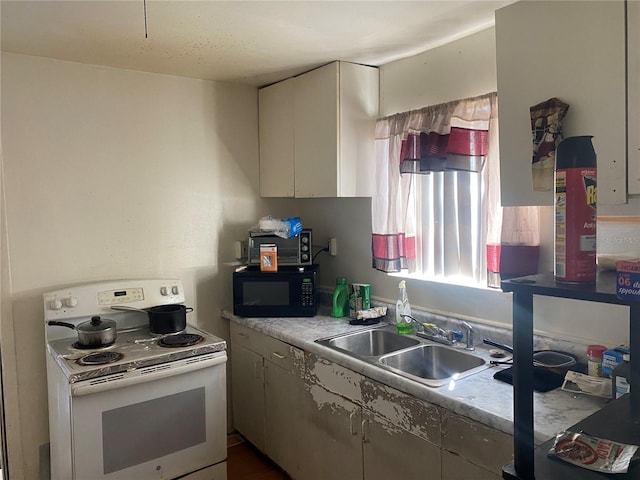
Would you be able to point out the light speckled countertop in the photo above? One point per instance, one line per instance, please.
(479, 396)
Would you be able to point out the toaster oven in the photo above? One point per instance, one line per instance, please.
(291, 252)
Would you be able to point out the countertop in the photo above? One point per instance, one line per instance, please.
(479, 396)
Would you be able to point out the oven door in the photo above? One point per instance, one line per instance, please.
(161, 424)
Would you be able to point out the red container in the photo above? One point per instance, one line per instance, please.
(575, 211)
(510, 261)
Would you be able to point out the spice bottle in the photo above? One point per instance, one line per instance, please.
(594, 359)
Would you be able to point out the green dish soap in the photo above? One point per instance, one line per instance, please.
(403, 307)
(340, 298)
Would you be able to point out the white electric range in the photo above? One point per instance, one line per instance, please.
(145, 407)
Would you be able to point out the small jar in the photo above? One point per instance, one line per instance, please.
(594, 359)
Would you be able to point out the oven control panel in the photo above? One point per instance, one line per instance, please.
(118, 297)
(97, 298)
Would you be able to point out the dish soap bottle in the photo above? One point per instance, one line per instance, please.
(403, 307)
(340, 298)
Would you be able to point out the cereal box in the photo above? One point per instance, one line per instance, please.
(628, 279)
(268, 257)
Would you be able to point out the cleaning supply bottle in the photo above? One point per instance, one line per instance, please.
(340, 298)
(403, 307)
(575, 211)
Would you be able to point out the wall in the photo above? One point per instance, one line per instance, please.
(112, 174)
(460, 69)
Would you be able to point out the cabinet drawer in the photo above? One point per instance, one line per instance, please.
(272, 349)
(246, 337)
(279, 353)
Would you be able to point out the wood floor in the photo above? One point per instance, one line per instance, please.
(244, 462)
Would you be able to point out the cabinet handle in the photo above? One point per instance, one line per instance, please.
(278, 355)
(352, 428)
(365, 423)
(257, 366)
(243, 336)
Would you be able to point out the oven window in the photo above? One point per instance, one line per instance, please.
(138, 433)
(265, 293)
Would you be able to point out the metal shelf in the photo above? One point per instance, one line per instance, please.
(619, 420)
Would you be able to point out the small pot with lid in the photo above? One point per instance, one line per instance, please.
(96, 333)
(163, 319)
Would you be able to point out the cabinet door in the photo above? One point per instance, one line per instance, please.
(283, 394)
(247, 391)
(359, 87)
(330, 437)
(275, 108)
(633, 69)
(575, 51)
(391, 452)
(316, 132)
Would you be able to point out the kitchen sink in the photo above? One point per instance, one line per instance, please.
(370, 343)
(435, 363)
(429, 363)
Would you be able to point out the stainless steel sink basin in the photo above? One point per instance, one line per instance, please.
(431, 364)
(371, 343)
(435, 363)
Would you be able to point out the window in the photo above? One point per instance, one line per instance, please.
(437, 190)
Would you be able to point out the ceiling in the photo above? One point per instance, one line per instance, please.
(248, 42)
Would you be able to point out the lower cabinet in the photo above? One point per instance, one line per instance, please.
(391, 452)
(479, 449)
(266, 387)
(349, 442)
(247, 386)
(283, 389)
(318, 420)
(331, 434)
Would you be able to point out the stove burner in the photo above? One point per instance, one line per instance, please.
(180, 340)
(99, 358)
(79, 346)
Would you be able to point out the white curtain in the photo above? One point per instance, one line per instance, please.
(434, 220)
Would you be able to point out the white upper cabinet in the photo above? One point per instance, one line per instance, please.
(575, 51)
(317, 133)
(275, 107)
(633, 71)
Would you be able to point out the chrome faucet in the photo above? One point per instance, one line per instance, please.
(430, 332)
(469, 336)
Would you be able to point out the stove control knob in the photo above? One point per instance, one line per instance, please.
(163, 291)
(55, 304)
(175, 290)
(70, 302)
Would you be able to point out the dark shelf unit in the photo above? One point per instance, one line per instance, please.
(619, 420)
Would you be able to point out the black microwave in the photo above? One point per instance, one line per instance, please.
(289, 292)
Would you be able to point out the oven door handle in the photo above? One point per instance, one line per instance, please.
(147, 374)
